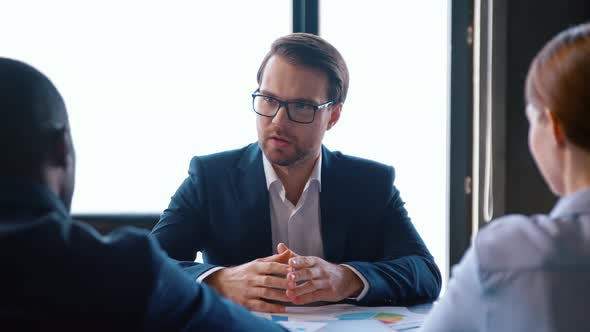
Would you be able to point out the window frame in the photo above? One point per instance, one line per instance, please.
(460, 131)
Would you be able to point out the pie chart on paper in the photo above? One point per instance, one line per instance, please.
(383, 317)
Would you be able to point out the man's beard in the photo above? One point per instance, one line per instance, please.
(298, 157)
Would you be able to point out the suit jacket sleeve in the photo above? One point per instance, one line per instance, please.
(183, 226)
(406, 273)
(178, 303)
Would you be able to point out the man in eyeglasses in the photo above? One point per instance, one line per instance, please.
(287, 221)
(60, 275)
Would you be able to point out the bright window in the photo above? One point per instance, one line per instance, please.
(148, 84)
(396, 110)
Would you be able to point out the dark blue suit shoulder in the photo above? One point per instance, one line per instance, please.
(359, 173)
(369, 166)
(126, 244)
(220, 161)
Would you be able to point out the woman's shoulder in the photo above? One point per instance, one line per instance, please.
(520, 242)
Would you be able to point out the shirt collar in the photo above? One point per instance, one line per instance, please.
(272, 177)
(576, 203)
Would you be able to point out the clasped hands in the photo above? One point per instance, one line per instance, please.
(285, 277)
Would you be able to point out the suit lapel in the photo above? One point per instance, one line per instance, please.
(249, 185)
(333, 223)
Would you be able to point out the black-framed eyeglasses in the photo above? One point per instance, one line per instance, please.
(296, 111)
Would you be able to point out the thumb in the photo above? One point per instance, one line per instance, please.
(279, 258)
(281, 248)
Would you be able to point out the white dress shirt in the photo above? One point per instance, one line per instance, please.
(297, 226)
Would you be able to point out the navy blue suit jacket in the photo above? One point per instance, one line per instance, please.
(222, 209)
(59, 275)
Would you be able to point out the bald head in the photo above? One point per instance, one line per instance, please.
(27, 97)
(34, 130)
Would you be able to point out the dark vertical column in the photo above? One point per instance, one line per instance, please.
(461, 128)
(306, 17)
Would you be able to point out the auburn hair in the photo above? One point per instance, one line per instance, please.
(559, 81)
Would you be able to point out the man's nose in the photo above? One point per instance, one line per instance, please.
(281, 117)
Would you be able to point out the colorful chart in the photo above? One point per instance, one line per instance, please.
(387, 318)
(383, 317)
(277, 318)
(395, 317)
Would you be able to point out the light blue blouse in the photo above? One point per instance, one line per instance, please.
(523, 274)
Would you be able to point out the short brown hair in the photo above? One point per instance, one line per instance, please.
(559, 79)
(310, 50)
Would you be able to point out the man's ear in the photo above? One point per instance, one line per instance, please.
(60, 147)
(556, 129)
(334, 115)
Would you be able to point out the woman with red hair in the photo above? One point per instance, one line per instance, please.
(532, 273)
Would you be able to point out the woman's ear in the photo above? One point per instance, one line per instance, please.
(556, 129)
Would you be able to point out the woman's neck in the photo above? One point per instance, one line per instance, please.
(577, 170)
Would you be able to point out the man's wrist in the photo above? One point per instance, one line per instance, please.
(215, 280)
(203, 277)
(364, 283)
(354, 283)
